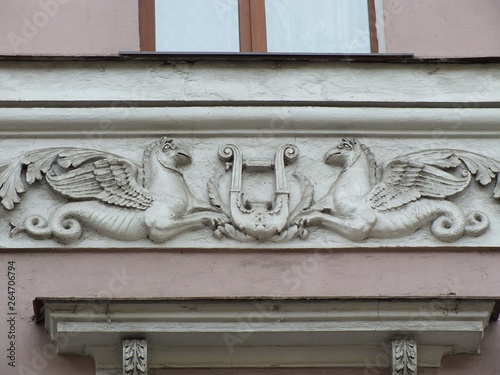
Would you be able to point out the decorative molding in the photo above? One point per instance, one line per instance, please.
(135, 357)
(404, 357)
(114, 202)
(207, 121)
(303, 98)
(270, 333)
(119, 199)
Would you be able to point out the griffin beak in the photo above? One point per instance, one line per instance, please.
(183, 157)
(332, 154)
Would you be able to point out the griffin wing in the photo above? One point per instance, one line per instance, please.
(111, 181)
(38, 163)
(422, 174)
(405, 181)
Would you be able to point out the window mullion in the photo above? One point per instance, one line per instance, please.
(245, 26)
(147, 30)
(373, 26)
(258, 25)
(252, 18)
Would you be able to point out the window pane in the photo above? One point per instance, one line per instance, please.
(197, 25)
(337, 26)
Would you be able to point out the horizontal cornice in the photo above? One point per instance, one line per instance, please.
(242, 333)
(229, 120)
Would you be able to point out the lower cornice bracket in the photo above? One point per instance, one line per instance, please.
(135, 357)
(404, 357)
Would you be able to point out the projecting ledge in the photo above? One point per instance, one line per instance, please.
(265, 333)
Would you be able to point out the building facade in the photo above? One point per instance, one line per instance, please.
(183, 213)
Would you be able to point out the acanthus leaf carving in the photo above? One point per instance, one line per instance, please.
(307, 197)
(404, 357)
(496, 190)
(135, 360)
(214, 196)
(37, 165)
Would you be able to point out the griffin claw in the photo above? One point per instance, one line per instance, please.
(15, 229)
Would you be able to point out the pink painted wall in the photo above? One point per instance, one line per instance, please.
(436, 28)
(68, 27)
(241, 274)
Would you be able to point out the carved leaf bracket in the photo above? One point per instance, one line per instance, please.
(135, 357)
(404, 357)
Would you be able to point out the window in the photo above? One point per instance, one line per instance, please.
(294, 26)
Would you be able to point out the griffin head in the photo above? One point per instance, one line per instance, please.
(344, 154)
(172, 151)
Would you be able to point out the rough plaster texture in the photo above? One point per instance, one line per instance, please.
(442, 28)
(69, 27)
(308, 83)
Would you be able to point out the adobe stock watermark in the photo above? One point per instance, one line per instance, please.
(117, 113)
(265, 311)
(457, 118)
(425, 312)
(40, 358)
(274, 128)
(225, 8)
(31, 26)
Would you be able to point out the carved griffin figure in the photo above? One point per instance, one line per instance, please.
(402, 195)
(110, 194)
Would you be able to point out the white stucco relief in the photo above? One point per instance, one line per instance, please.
(135, 359)
(116, 203)
(120, 199)
(404, 357)
(402, 195)
(260, 220)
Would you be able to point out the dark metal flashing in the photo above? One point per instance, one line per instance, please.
(259, 57)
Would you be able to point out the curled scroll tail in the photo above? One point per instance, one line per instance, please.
(452, 224)
(65, 224)
(63, 229)
(477, 224)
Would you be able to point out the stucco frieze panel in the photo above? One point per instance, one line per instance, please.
(261, 191)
